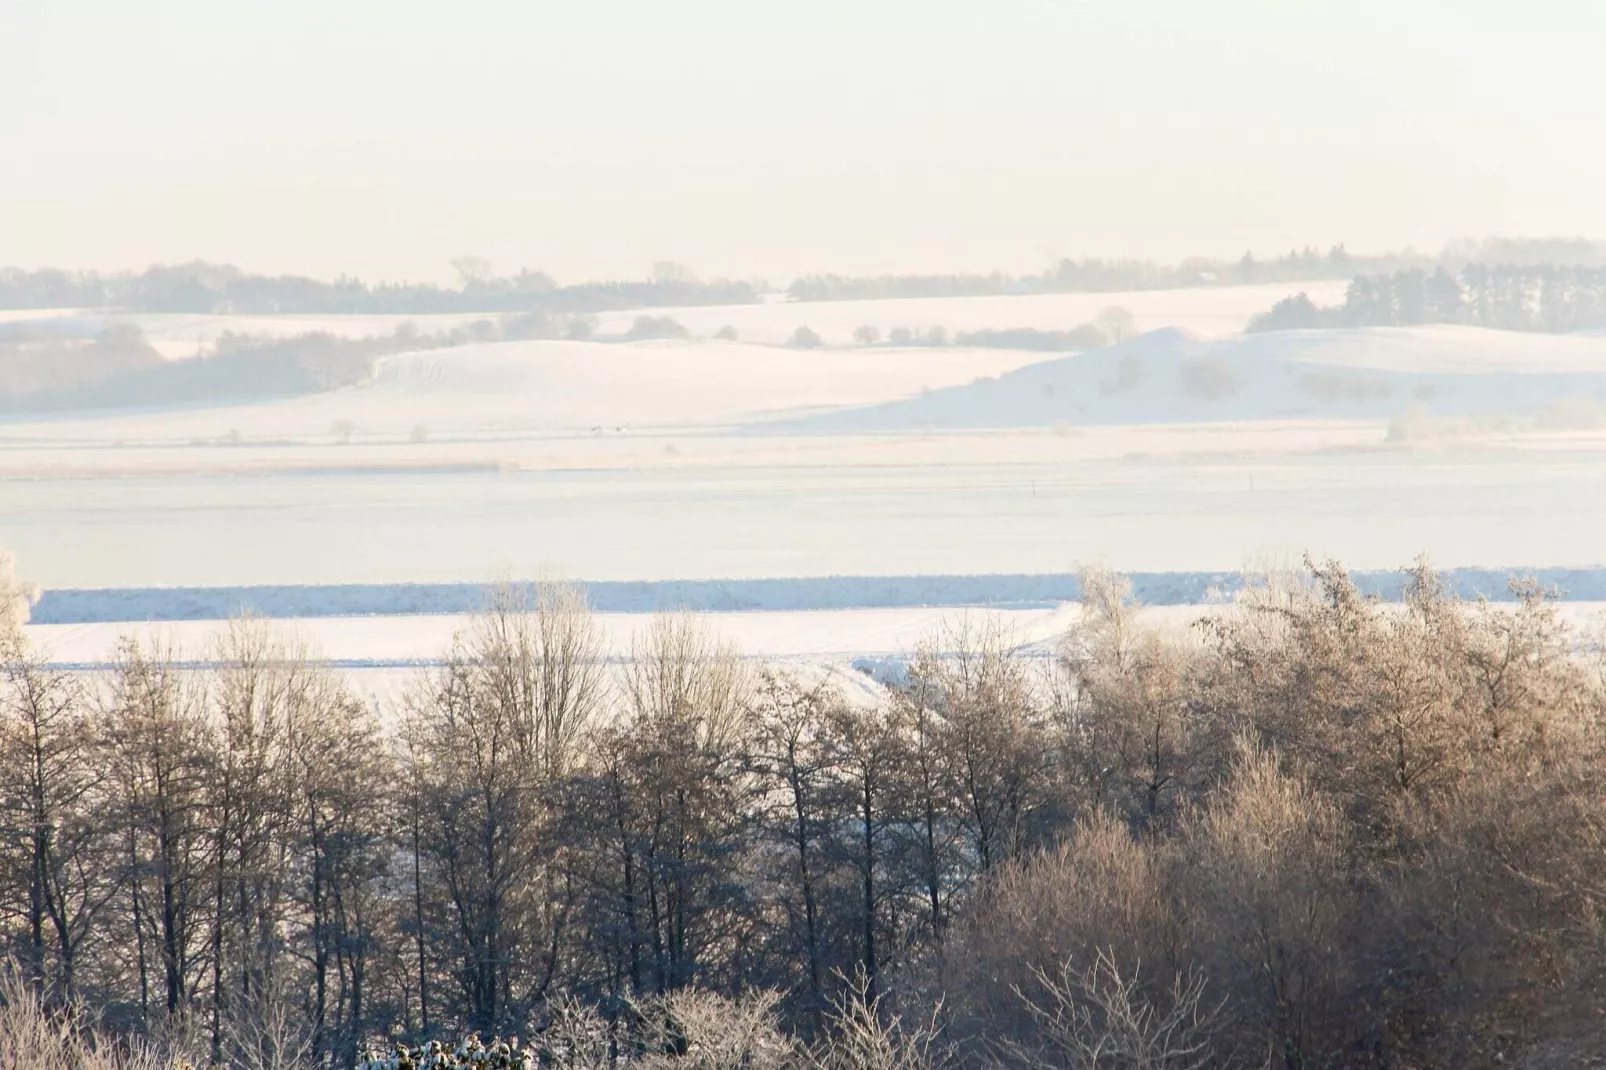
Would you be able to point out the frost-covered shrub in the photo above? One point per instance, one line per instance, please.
(16, 598)
(469, 1054)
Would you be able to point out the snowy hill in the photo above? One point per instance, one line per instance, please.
(1171, 376)
(545, 387)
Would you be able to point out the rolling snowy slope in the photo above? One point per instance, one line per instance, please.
(543, 387)
(1170, 376)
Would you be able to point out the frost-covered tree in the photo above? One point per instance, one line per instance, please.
(17, 597)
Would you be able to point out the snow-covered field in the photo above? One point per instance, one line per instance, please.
(639, 461)
(1370, 508)
(405, 640)
(1210, 311)
(1553, 381)
(383, 655)
(521, 389)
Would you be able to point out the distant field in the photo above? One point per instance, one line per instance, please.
(1209, 310)
(1213, 311)
(638, 462)
(821, 637)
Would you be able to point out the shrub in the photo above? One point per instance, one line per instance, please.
(36, 1037)
(805, 338)
(469, 1054)
(656, 327)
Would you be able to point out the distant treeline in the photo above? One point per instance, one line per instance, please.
(222, 288)
(201, 287)
(1543, 297)
(1103, 276)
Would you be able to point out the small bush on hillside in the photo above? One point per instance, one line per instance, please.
(469, 1054)
(1294, 313)
(1086, 336)
(656, 327)
(1115, 323)
(805, 338)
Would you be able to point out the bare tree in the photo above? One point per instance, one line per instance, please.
(55, 829)
(791, 754)
(488, 739)
(161, 750)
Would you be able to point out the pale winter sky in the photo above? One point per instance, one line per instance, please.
(762, 137)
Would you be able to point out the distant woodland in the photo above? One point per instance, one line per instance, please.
(1543, 297)
(1096, 276)
(200, 287)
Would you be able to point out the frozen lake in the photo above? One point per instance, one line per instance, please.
(1370, 508)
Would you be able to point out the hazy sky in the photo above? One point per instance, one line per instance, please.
(756, 137)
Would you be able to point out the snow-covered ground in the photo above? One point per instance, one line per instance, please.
(623, 462)
(808, 637)
(1369, 508)
(538, 388)
(403, 640)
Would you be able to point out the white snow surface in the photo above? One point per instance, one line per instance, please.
(617, 461)
(550, 386)
(804, 635)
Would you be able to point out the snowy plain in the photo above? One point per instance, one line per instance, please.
(385, 659)
(641, 461)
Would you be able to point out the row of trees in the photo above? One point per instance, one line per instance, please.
(1298, 265)
(1105, 276)
(200, 287)
(1317, 830)
(223, 288)
(1545, 297)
